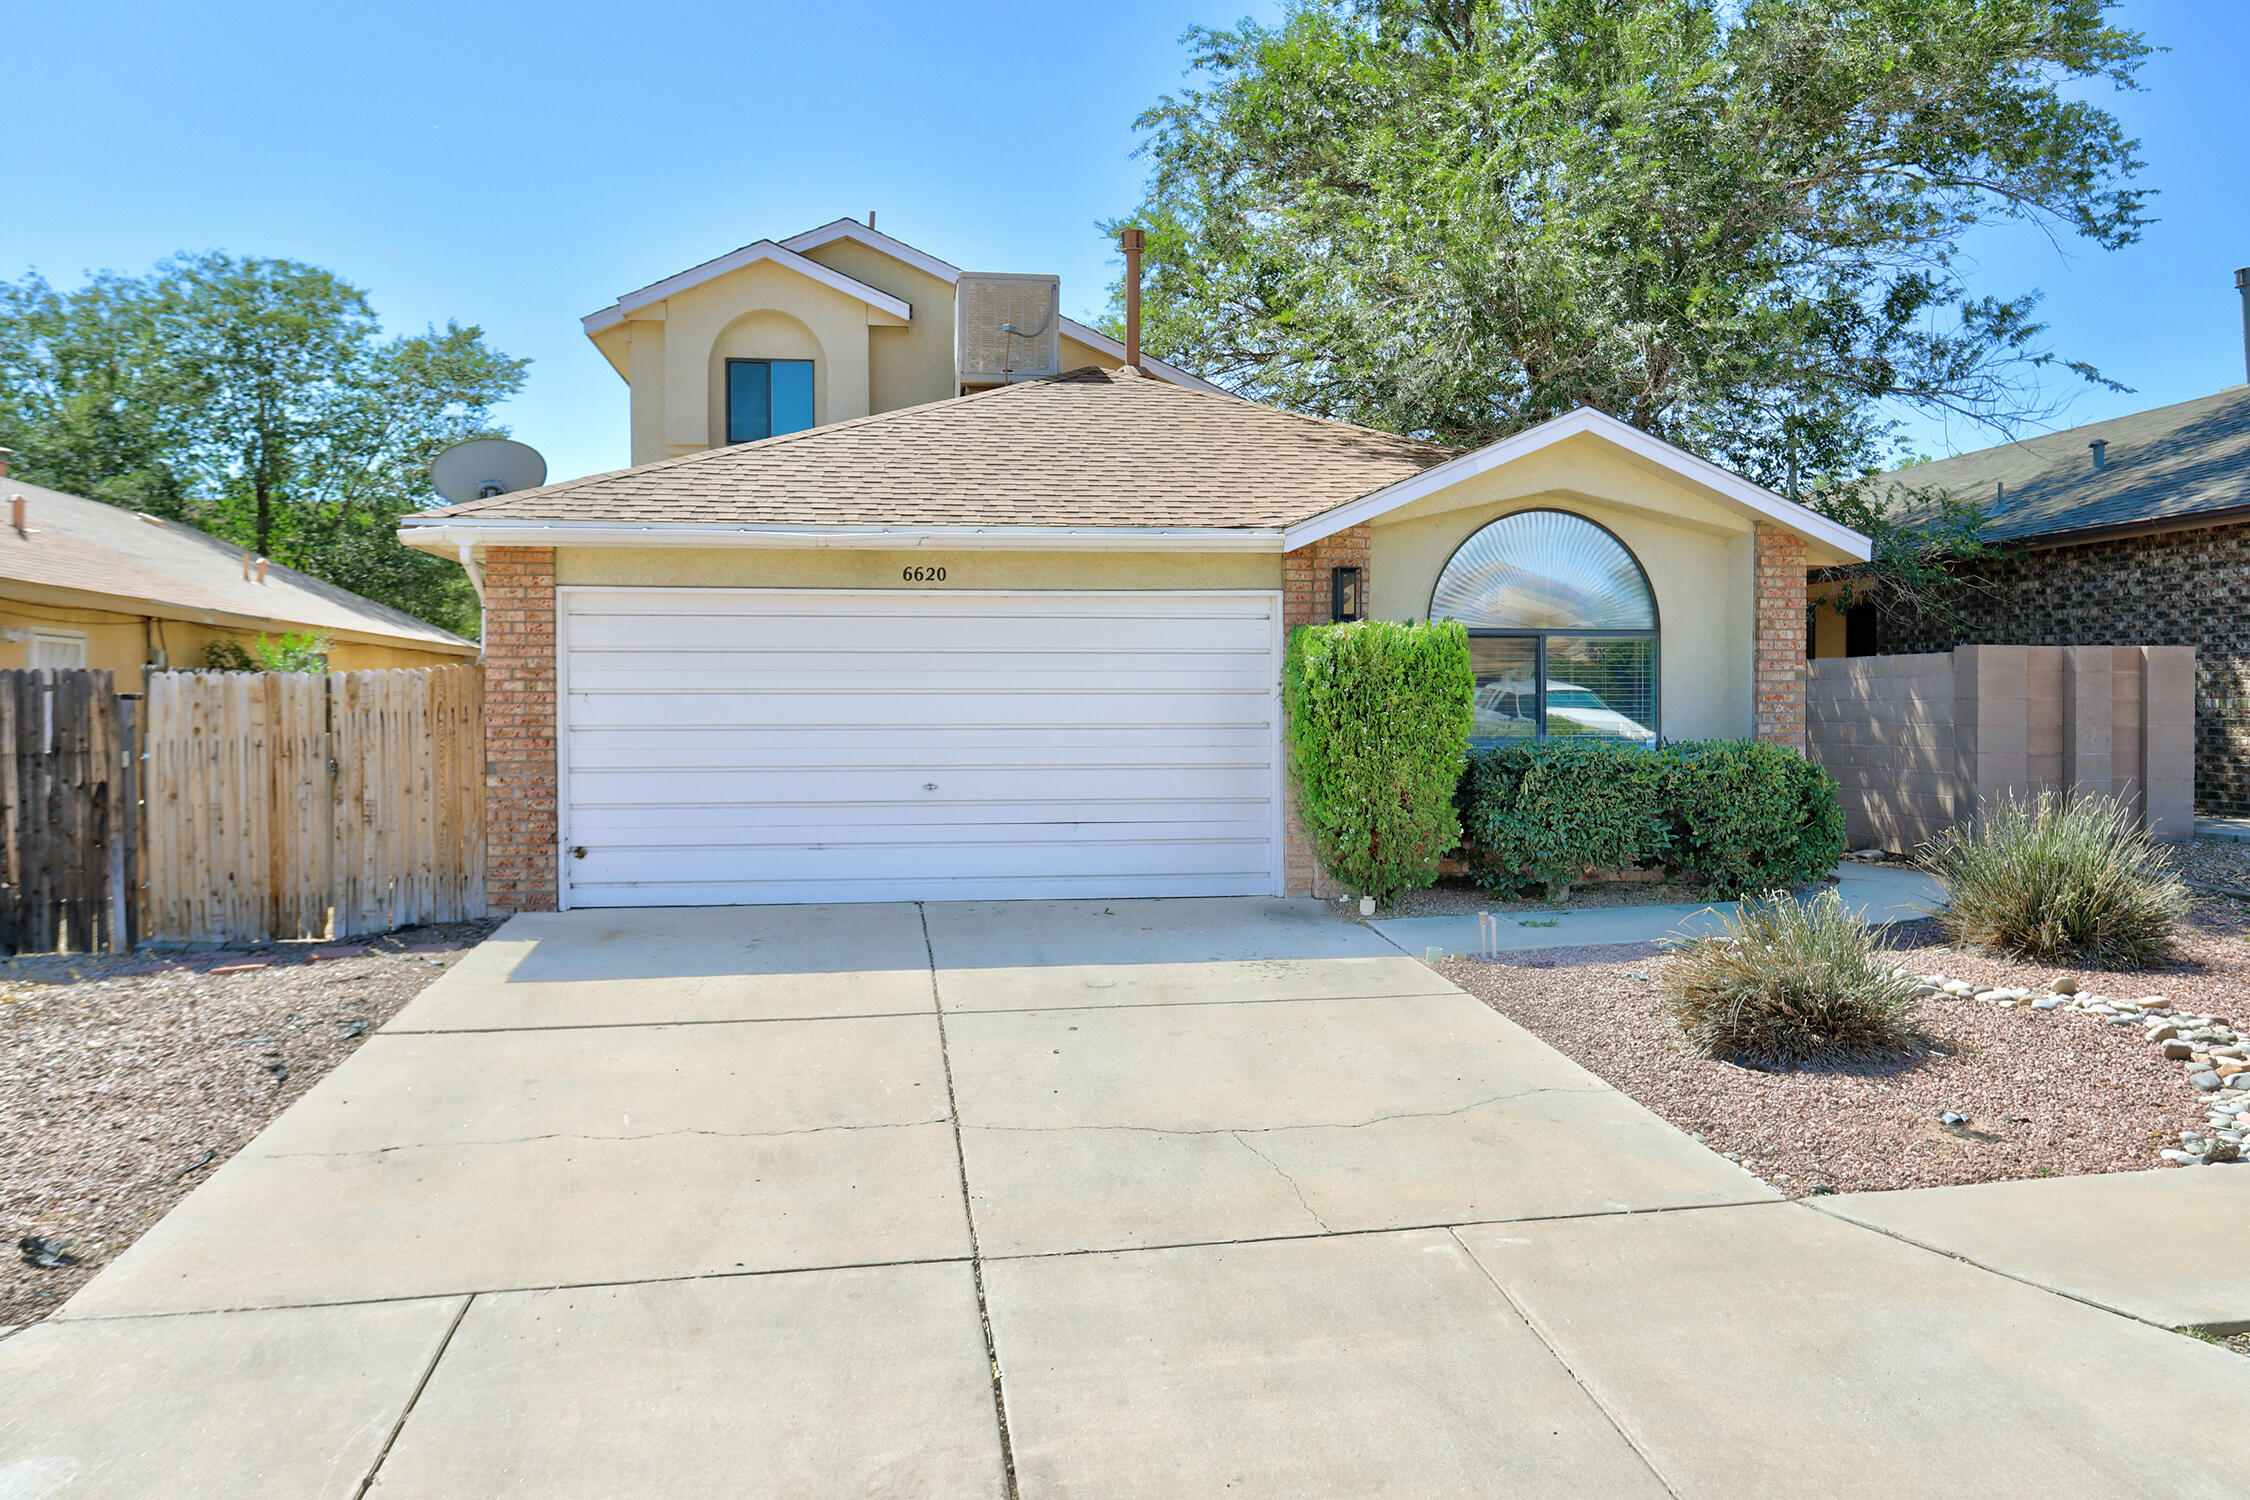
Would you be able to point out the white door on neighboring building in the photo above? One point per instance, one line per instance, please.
(735, 746)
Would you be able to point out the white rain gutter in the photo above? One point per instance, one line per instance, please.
(461, 534)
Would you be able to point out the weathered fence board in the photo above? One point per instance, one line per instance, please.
(66, 849)
(286, 805)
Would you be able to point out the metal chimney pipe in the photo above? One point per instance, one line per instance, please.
(2242, 285)
(1131, 242)
(2101, 452)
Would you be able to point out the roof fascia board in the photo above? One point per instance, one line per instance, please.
(735, 260)
(2193, 520)
(1585, 420)
(852, 229)
(449, 537)
(1095, 339)
(58, 596)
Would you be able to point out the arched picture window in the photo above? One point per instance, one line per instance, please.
(1562, 629)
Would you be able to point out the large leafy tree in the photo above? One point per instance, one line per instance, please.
(257, 399)
(1733, 223)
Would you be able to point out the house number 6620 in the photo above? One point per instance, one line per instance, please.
(922, 575)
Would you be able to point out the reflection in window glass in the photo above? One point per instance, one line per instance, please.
(1602, 686)
(768, 397)
(1562, 629)
(1507, 669)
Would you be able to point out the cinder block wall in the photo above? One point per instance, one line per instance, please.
(1919, 743)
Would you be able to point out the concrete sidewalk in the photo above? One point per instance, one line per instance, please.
(1880, 894)
(1130, 1198)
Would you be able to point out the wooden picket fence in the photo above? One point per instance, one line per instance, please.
(295, 805)
(67, 812)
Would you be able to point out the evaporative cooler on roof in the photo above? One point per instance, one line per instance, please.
(1007, 327)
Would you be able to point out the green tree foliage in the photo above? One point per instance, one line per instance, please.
(258, 400)
(1379, 718)
(1733, 223)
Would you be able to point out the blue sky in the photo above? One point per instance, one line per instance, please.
(516, 166)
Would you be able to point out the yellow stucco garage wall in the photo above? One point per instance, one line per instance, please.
(842, 568)
(1699, 558)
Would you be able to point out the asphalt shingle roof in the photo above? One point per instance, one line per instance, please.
(76, 543)
(2166, 464)
(1088, 448)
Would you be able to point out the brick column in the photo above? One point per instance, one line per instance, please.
(519, 729)
(1779, 634)
(1307, 598)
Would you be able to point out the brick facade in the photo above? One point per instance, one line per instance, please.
(1308, 598)
(1779, 635)
(519, 729)
(2176, 588)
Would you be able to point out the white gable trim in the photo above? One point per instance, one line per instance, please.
(748, 255)
(1585, 420)
(852, 229)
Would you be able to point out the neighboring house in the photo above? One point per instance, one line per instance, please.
(2133, 532)
(1027, 642)
(83, 584)
(835, 323)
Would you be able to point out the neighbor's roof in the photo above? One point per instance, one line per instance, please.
(2169, 465)
(1087, 449)
(144, 565)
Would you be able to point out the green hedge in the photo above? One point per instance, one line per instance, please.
(1379, 718)
(1740, 815)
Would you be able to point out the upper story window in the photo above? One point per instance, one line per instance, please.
(768, 397)
(1562, 629)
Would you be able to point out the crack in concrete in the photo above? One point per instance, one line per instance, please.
(574, 1135)
(1303, 1201)
(1241, 1130)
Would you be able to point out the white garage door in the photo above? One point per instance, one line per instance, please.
(727, 746)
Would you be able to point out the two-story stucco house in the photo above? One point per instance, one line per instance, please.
(918, 590)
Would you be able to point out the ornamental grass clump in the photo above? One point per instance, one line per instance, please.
(1789, 983)
(2059, 879)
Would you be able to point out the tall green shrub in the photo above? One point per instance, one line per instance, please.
(1535, 817)
(1750, 816)
(1379, 717)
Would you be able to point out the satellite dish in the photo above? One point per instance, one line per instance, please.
(484, 467)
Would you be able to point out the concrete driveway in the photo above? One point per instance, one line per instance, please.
(1162, 1198)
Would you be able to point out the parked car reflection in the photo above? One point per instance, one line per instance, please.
(1508, 710)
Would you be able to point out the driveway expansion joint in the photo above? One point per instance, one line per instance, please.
(575, 1135)
(969, 1216)
(390, 1439)
(1242, 1130)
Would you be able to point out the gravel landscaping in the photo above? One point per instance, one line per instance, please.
(128, 1080)
(2011, 1087)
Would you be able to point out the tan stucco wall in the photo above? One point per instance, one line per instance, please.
(842, 568)
(905, 366)
(1077, 356)
(761, 310)
(1699, 559)
(1827, 622)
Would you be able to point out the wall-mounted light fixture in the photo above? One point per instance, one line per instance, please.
(1346, 601)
